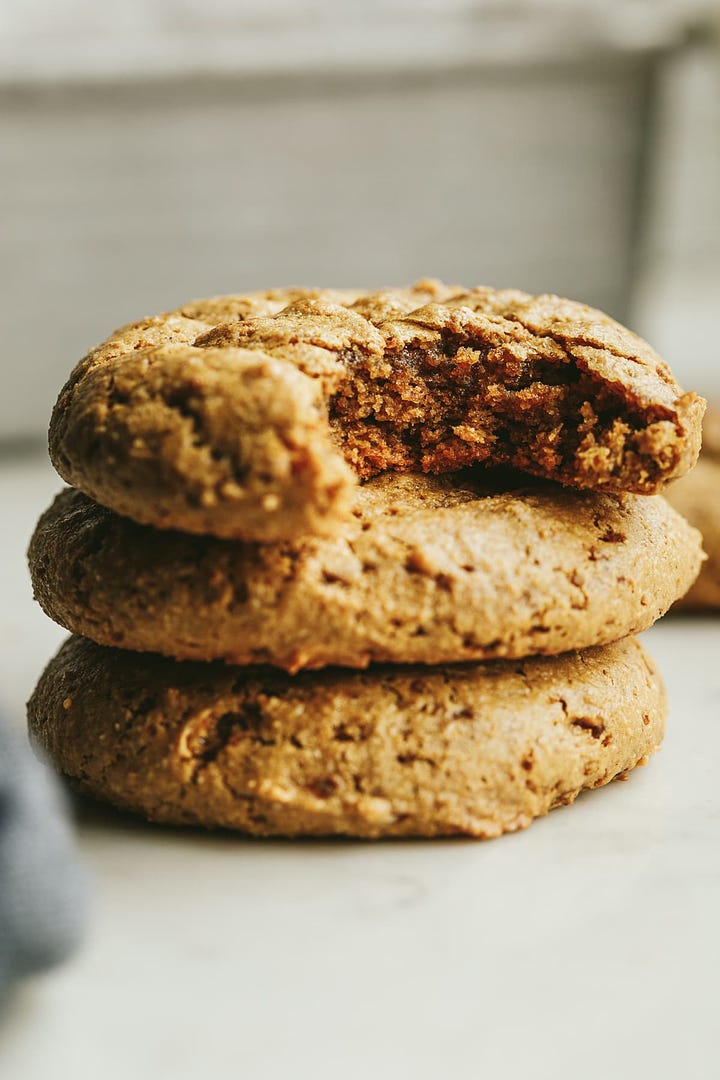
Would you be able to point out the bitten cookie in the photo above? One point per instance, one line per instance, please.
(221, 418)
(428, 569)
(479, 749)
(697, 497)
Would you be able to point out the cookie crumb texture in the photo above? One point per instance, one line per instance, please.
(427, 569)
(252, 416)
(476, 749)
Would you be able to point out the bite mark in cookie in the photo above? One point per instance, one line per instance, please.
(174, 435)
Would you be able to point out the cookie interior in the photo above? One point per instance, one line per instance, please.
(447, 386)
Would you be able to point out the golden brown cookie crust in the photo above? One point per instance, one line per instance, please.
(428, 569)
(242, 417)
(478, 749)
(697, 498)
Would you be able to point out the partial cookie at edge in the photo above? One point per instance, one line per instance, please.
(697, 498)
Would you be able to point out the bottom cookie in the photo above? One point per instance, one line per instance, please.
(476, 749)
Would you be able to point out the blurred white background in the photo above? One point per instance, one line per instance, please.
(154, 151)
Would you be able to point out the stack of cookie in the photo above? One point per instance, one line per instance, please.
(362, 564)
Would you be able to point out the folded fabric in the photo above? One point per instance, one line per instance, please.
(43, 886)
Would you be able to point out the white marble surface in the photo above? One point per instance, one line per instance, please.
(587, 945)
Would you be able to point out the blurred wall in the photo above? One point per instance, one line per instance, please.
(139, 174)
(679, 284)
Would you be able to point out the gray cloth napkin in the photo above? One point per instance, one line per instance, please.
(43, 887)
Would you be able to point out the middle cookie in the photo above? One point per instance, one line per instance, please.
(429, 569)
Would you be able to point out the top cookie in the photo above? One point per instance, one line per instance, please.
(251, 416)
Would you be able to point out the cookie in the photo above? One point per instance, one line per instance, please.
(225, 419)
(478, 749)
(697, 497)
(428, 569)
(255, 458)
